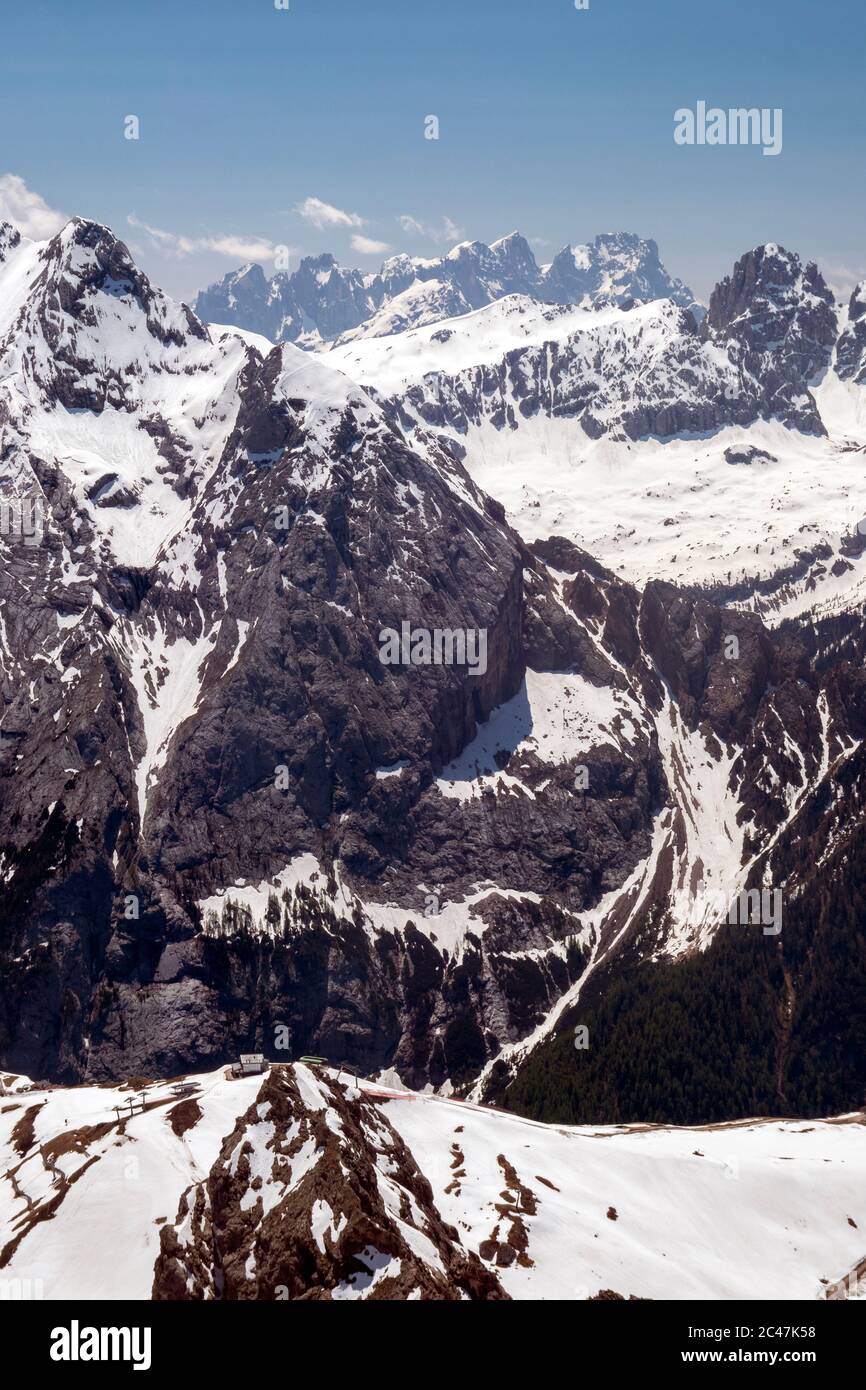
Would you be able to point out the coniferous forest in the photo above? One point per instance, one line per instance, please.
(754, 1025)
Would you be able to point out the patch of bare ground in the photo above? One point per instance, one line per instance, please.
(23, 1134)
(457, 1161)
(518, 1201)
(525, 1198)
(74, 1141)
(184, 1116)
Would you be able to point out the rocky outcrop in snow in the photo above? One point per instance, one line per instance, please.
(315, 1195)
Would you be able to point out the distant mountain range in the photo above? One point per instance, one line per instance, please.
(322, 302)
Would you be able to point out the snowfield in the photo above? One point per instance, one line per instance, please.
(719, 1212)
(675, 508)
(553, 716)
(759, 1209)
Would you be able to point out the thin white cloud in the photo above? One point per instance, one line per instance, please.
(368, 247)
(323, 215)
(448, 232)
(412, 226)
(26, 210)
(242, 248)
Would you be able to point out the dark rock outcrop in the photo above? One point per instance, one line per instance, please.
(315, 1196)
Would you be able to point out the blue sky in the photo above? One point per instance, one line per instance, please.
(554, 121)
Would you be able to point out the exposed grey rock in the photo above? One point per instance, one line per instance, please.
(767, 338)
(851, 348)
(616, 268)
(777, 320)
(748, 453)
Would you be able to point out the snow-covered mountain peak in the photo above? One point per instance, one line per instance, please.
(617, 267)
(619, 245)
(513, 240)
(771, 287)
(400, 270)
(84, 327)
(252, 272)
(463, 249)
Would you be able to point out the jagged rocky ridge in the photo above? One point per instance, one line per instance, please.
(221, 816)
(322, 302)
(647, 370)
(616, 427)
(851, 351)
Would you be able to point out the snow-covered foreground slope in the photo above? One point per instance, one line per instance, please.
(113, 1181)
(742, 1211)
(303, 1183)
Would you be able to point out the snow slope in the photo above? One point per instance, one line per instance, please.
(470, 340)
(761, 1209)
(753, 1210)
(123, 1183)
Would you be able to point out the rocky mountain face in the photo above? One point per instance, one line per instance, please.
(756, 1023)
(322, 302)
(615, 268)
(851, 350)
(777, 320)
(302, 746)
